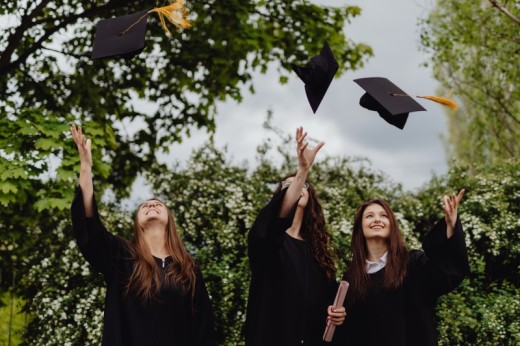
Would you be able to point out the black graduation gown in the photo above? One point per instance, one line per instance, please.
(406, 316)
(289, 292)
(172, 319)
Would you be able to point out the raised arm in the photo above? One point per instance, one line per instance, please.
(85, 172)
(99, 247)
(444, 263)
(450, 205)
(305, 160)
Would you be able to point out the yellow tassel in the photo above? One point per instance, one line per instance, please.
(442, 100)
(174, 13)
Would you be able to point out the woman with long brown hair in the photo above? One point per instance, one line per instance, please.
(155, 291)
(393, 291)
(293, 273)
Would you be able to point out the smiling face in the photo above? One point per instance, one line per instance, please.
(375, 222)
(152, 211)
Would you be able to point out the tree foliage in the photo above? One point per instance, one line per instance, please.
(216, 202)
(474, 48)
(134, 109)
(484, 311)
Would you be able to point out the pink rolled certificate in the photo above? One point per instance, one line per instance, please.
(338, 302)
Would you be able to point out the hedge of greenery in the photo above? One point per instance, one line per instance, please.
(215, 203)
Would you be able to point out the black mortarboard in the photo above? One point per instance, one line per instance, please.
(124, 36)
(388, 100)
(121, 36)
(317, 75)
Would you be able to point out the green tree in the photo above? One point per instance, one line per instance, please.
(474, 48)
(47, 80)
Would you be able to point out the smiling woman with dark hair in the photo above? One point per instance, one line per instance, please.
(393, 291)
(155, 291)
(293, 274)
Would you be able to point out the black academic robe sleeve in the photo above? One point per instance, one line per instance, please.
(265, 236)
(444, 263)
(202, 333)
(437, 270)
(97, 245)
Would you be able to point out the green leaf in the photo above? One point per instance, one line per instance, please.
(46, 144)
(52, 203)
(13, 172)
(8, 187)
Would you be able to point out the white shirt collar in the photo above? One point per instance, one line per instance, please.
(372, 267)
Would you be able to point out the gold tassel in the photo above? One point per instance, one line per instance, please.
(174, 13)
(442, 100)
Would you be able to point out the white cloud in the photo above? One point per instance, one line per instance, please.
(409, 156)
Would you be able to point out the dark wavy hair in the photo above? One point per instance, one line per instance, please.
(315, 231)
(147, 278)
(397, 259)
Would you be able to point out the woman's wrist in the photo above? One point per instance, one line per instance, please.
(301, 176)
(85, 168)
(303, 171)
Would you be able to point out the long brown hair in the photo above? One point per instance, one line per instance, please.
(147, 278)
(315, 232)
(397, 259)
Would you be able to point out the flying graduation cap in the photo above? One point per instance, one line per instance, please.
(124, 36)
(317, 75)
(392, 103)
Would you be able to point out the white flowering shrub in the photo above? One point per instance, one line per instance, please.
(485, 309)
(215, 204)
(64, 301)
(65, 298)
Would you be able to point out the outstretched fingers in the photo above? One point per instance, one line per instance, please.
(460, 195)
(77, 135)
(450, 206)
(318, 147)
(300, 137)
(83, 144)
(447, 204)
(451, 203)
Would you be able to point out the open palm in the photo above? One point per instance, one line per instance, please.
(84, 146)
(306, 156)
(450, 206)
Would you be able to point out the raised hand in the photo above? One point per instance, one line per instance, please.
(306, 156)
(305, 160)
(85, 173)
(450, 205)
(84, 146)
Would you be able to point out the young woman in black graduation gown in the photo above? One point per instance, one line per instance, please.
(293, 275)
(393, 291)
(155, 291)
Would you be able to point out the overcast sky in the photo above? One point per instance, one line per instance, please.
(409, 156)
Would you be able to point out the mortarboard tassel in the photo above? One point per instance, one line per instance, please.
(442, 100)
(174, 13)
